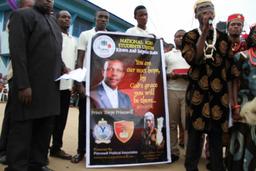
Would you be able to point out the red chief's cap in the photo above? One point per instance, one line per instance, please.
(244, 36)
(237, 17)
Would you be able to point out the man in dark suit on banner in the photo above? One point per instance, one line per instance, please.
(106, 94)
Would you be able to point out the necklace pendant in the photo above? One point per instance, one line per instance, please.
(208, 56)
(210, 47)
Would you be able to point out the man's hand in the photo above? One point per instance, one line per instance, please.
(66, 70)
(171, 75)
(80, 90)
(25, 96)
(236, 115)
(206, 26)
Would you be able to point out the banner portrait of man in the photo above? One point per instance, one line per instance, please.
(125, 82)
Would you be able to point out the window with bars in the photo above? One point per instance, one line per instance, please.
(80, 25)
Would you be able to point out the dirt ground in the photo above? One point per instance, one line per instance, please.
(70, 145)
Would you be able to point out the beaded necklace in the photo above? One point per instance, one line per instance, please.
(209, 46)
(236, 47)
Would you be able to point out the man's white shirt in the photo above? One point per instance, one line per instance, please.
(68, 55)
(111, 94)
(174, 60)
(84, 38)
(137, 30)
(83, 41)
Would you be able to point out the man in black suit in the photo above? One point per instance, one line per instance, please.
(5, 124)
(35, 47)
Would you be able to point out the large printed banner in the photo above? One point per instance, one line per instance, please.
(127, 112)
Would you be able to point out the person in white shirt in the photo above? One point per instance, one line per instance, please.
(141, 15)
(177, 85)
(106, 94)
(69, 57)
(102, 20)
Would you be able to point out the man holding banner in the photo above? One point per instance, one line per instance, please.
(101, 19)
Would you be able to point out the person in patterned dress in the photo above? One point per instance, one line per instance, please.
(206, 50)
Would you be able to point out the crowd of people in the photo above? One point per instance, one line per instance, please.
(210, 76)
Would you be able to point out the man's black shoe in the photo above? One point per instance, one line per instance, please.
(208, 166)
(47, 161)
(175, 158)
(3, 159)
(37, 168)
(45, 168)
(60, 154)
(77, 158)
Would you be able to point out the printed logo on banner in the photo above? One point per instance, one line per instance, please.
(102, 132)
(124, 130)
(104, 46)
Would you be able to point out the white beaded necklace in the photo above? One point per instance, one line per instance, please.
(209, 46)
